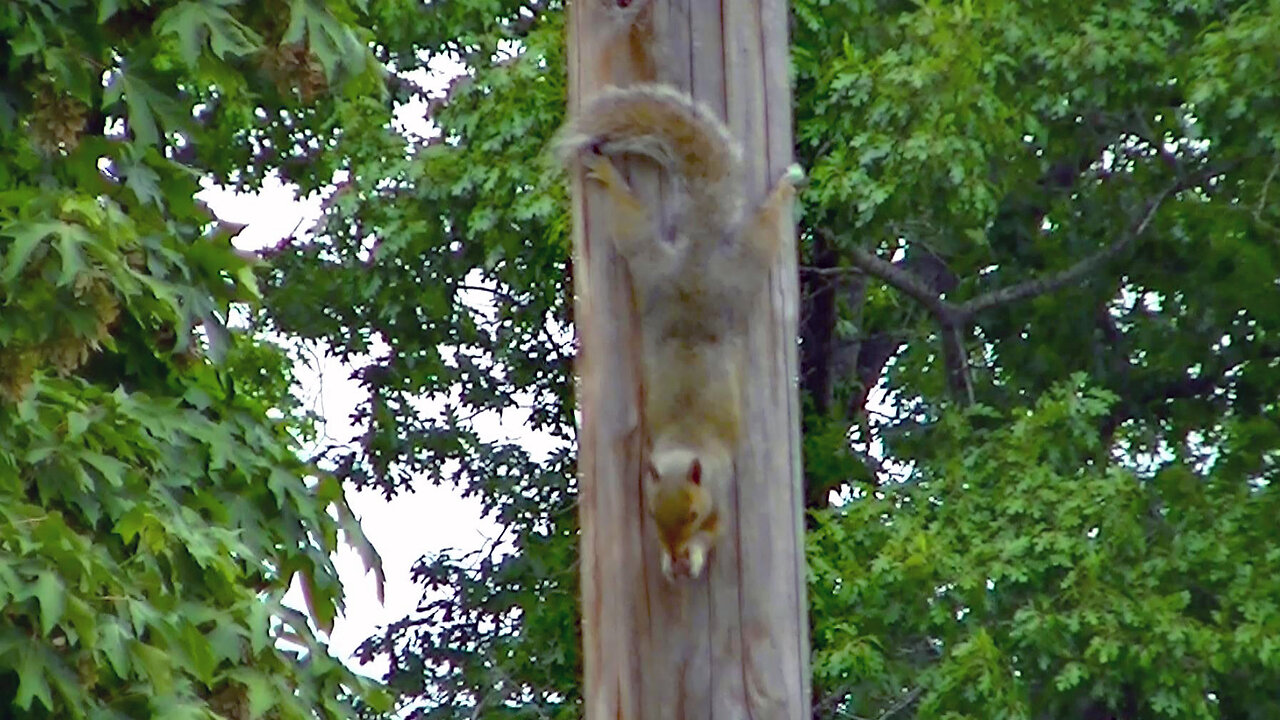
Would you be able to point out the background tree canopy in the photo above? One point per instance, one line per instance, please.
(1040, 349)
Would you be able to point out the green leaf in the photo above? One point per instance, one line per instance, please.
(149, 111)
(320, 605)
(107, 10)
(194, 23)
(27, 237)
(29, 40)
(50, 593)
(157, 664)
(263, 693)
(332, 42)
(113, 644)
(169, 706)
(226, 640)
(200, 400)
(32, 681)
(77, 423)
(356, 538)
(200, 654)
(113, 470)
(144, 183)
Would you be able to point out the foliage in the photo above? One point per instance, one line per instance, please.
(1098, 186)
(154, 505)
(1003, 196)
(1045, 136)
(459, 305)
(1022, 575)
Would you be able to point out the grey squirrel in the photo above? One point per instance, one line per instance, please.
(697, 263)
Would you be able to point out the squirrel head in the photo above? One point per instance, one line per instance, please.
(678, 501)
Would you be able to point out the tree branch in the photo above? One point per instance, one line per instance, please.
(827, 271)
(955, 358)
(818, 330)
(1041, 286)
(951, 321)
(902, 280)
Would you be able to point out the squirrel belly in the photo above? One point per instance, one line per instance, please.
(699, 262)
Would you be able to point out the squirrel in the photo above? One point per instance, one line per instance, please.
(698, 262)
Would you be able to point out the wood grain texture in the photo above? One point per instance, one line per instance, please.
(732, 644)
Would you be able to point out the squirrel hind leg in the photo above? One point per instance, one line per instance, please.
(600, 169)
(632, 221)
(761, 236)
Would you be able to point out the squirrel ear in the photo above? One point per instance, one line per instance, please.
(651, 471)
(695, 472)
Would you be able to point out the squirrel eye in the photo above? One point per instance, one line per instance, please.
(695, 472)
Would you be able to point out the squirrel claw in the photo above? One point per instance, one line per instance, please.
(594, 162)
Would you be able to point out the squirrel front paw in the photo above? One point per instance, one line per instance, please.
(668, 569)
(696, 560)
(687, 566)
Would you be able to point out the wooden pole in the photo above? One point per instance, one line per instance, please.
(733, 643)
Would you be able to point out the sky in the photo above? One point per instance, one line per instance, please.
(413, 524)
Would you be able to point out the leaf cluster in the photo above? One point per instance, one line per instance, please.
(1023, 575)
(155, 509)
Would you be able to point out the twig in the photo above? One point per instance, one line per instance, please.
(831, 271)
(890, 711)
(902, 704)
(1262, 198)
(1266, 187)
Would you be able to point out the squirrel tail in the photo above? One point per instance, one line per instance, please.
(658, 122)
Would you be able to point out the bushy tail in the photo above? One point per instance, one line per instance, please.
(659, 122)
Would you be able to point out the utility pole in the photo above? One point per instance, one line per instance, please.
(734, 643)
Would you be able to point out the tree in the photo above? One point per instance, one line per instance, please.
(1003, 196)
(155, 507)
(1100, 206)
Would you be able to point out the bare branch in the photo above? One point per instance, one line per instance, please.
(1041, 286)
(956, 360)
(890, 711)
(950, 319)
(902, 704)
(1034, 288)
(902, 280)
(1266, 186)
(1262, 200)
(827, 271)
